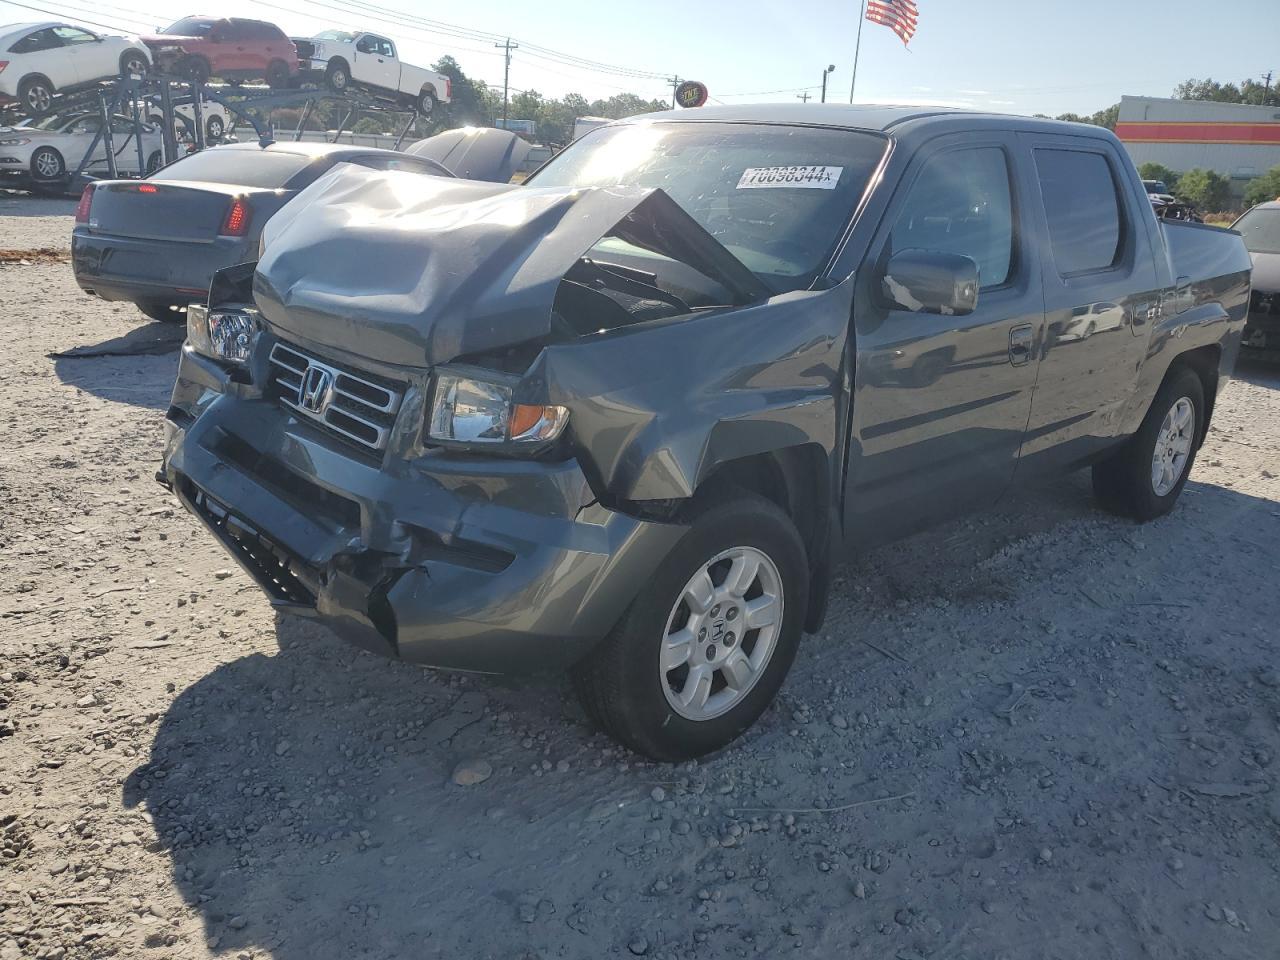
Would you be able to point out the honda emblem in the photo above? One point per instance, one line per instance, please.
(317, 384)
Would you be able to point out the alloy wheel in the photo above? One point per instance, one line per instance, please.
(1173, 446)
(721, 632)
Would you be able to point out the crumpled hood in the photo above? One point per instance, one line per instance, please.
(417, 270)
(1266, 272)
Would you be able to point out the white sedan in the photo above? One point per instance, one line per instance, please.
(46, 152)
(40, 60)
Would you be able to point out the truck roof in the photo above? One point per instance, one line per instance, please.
(883, 118)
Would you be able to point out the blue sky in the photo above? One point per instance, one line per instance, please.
(994, 54)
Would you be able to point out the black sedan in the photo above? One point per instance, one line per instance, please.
(157, 242)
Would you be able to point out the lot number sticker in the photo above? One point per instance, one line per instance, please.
(804, 177)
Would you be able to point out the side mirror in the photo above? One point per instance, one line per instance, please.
(926, 281)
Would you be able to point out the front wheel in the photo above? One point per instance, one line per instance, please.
(338, 77)
(153, 162)
(277, 74)
(705, 646)
(47, 165)
(195, 70)
(214, 128)
(133, 63)
(1144, 478)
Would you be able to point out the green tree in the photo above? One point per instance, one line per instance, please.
(472, 103)
(1106, 117)
(1256, 92)
(1158, 171)
(1205, 189)
(1264, 188)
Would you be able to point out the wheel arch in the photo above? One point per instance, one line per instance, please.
(128, 52)
(797, 479)
(27, 78)
(1206, 363)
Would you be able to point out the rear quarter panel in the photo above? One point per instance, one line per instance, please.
(1206, 308)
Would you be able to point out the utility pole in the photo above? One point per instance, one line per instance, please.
(1266, 90)
(675, 82)
(506, 75)
(804, 96)
(825, 74)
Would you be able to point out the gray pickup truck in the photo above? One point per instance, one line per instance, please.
(625, 418)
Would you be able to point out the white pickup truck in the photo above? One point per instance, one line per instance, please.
(356, 59)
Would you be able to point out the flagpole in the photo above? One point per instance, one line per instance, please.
(862, 15)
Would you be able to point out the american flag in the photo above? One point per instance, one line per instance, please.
(900, 16)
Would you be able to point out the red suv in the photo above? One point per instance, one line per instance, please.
(198, 48)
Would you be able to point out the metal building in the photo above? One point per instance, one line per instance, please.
(1238, 140)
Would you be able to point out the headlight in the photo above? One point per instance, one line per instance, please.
(227, 335)
(471, 410)
(18, 142)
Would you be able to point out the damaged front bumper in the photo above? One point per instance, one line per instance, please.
(470, 563)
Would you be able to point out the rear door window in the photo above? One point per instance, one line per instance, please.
(35, 42)
(1082, 208)
(961, 204)
(247, 168)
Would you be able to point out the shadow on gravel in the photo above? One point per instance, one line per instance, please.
(1262, 370)
(102, 368)
(20, 204)
(307, 802)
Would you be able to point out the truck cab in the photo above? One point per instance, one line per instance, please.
(624, 419)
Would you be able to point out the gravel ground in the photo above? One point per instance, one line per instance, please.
(1037, 733)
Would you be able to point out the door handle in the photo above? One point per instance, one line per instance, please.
(1020, 340)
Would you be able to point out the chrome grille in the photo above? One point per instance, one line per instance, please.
(356, 406)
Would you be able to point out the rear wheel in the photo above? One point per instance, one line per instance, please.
(277, 74)
(214, 128)
(47, 165)
(165, 311)
(1144, 478)
(153, 162)
(36, 96)
(133, 63)
(703, 649)
(426, 103)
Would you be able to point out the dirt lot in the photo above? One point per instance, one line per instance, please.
(1039, 733)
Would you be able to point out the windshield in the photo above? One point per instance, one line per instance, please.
(1155, 186)
(190, 27)
(53, 122)
(1260, 228)
(342, 36)
(778, 197)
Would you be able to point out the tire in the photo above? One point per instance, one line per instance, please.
(164, 311)
(277, 74)
(195, 69)
(36, 94)
(1129, 483)
(134, 62)
(338, 76)
(621, 683)
(153, 163)
(47, 165)
(426, 103)
(214, 128)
